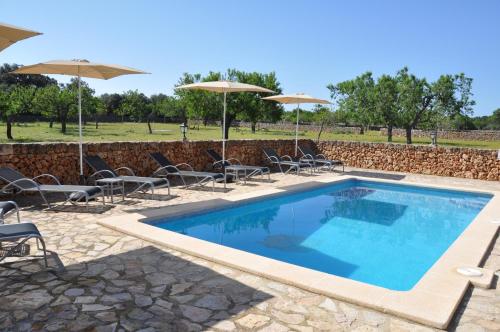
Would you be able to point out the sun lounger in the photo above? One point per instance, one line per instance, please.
(18, 183)
(8, 207)
(166, 168)
(15, 236)
(234, 166)
(286, 161)
(319, 160)
(103, 170)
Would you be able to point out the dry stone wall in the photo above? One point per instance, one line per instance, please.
(61, 159)
(457, 162)
(476, 135)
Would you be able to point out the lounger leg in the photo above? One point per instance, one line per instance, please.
(44, 251)
(18, 215)
(45, 200)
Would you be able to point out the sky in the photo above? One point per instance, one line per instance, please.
(309, 44)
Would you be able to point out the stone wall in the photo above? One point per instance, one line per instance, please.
(289, 126)
(456, 162)
(477, 135)
(61, 159)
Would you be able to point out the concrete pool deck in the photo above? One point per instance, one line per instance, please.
(113, 281)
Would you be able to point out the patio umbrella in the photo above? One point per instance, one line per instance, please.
(298, 99)
(224, 87)
(78, 68)
(9, 34)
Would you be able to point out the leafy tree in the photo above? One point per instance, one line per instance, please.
(14, 101)
(8, 79)
(305, 116)
(386, 103)
(56, 102)
(197, 104)
(324, 117)
(168, 107)
(357, 99)
(429, 102)
(135, 104)
(111, 102)
(495, 118)
(257, 109)
(244, 106)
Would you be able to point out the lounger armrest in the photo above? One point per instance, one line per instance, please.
(128, 169)
(47, 175)
(234, 161)
(16, 209)
(286, 157)
(320, 156)
(308, 156)
(99, 173)
(273, 159)
(184, 164)
(14, 184)
(172, 168)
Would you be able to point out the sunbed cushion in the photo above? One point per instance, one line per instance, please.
(18, 230)
(157, 182)
(76, 191)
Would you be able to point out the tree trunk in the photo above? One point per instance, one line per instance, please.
(63, 125)
(51, 123)
(389, 133)
(408, 135)
(228, 125)
(253, 127)
(149, 123)
(96, 122)
(9, 128)
(320, 130)
(361, 130)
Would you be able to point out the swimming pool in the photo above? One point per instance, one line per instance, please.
(383, 234)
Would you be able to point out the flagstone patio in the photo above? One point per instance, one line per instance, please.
(102, 280)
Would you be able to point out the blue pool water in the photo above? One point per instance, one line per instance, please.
(378, 233)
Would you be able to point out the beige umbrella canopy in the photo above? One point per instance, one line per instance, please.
(298, 99)
(224, 87)
(78, 68)
(9, 34)
(82, 68)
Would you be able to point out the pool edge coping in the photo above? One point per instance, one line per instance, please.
(432, 301)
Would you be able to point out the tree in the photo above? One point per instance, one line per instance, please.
(112, 103)
(135, 104)
(168, 107)
(257, 109)
(14, 101)
(324, 117)
(38, 81)
(203, 105)
(386, 102)
(56, 102)
(197, 104)
(357, 99)
(495, 119)
(420, 101)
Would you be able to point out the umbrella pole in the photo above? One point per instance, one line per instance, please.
(80, 126)
(297, 132)
(224, 140)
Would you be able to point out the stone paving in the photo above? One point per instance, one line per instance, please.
(102, 280)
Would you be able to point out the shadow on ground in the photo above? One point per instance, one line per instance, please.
(141, 288)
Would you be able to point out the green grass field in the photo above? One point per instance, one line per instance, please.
(40, 132)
